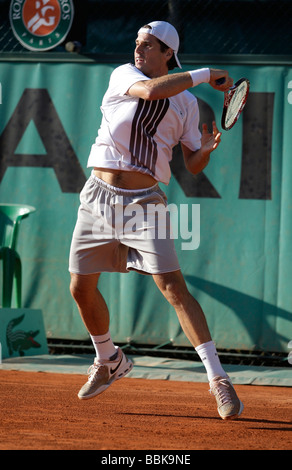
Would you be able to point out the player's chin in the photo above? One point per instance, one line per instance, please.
(140, 64)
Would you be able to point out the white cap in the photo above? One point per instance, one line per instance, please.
(166, 33)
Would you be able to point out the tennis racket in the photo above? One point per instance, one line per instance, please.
(234, 102)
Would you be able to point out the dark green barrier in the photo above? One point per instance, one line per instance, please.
(241, 273)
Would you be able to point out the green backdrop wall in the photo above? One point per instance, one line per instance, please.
(240, 273)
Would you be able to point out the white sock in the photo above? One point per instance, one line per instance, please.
(103, 345)
(209, 357)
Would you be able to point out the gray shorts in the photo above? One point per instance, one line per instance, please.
(118, 230)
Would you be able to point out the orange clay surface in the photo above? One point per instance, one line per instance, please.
(41, 411)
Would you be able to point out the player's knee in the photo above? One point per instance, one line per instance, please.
(77, 289)
(174, 291)
(175, 295)
(83, 288)
(75, 292)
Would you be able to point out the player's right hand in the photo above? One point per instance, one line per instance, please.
(216, 74)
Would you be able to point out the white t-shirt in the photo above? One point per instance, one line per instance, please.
(139, 135)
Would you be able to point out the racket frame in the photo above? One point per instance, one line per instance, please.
(227, 98)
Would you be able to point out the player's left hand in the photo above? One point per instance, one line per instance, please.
(210, 141)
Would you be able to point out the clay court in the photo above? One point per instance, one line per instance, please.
(41, 411)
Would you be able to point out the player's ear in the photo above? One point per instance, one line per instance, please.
(169, 53)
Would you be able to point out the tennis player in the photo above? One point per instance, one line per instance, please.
(146, 112)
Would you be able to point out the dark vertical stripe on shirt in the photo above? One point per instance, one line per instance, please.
(143, 147)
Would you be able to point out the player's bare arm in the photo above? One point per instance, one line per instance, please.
(161, 87)
(196, 161)
(170, 85)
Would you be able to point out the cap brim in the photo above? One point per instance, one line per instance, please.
(177, 61)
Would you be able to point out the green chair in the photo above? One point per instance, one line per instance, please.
(10, 218)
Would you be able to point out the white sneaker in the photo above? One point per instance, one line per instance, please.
(228, 404)
(103, 373)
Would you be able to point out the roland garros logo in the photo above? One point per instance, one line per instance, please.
(40, 25)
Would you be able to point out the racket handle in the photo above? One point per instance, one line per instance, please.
(220, 81)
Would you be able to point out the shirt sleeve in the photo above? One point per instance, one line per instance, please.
(124, 77)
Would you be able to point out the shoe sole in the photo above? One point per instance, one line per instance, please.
(126, 369)
(235, 416)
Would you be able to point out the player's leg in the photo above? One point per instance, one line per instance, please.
(90, 302)
(94, 251)
(189, 312)
(110, 362)
(194, 324)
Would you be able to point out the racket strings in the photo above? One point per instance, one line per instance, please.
(235, 104)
